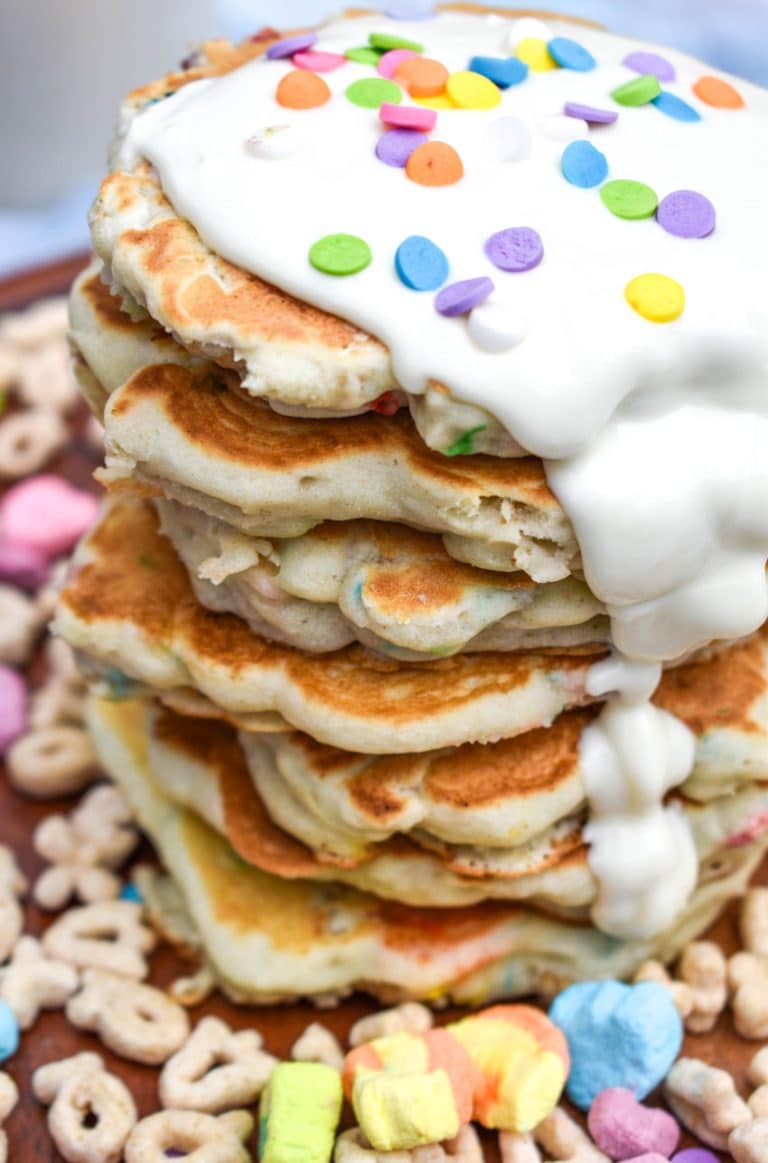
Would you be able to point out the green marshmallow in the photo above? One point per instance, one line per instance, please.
(299, 1113)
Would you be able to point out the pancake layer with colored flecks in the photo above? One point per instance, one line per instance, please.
(393, 588)
(270, 938)
(129, 605)
(190, 435)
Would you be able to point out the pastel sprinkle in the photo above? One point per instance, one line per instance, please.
(638, 91)
(695, 1155)
(717, 93)
(560, 128)
(496, 327)
(319, 62)
(389, 62)
(131, 893)
(503, 71)
(460, 298)
(583, 165)
(628, 199)
(410, 10)
(408, 117)
(590, 113)
(441, 102)
(686, 214)
(290, 45)
(302, 90)
(387, 41)
(396, 146)
(569, 54)
(470, 90)
(371, 92)
(464, 445)
(650, 64)
(509, 138)
(656, 297)
(340, 254)
(435, 164)
(535, 54)
(365, 55)
(675, 107)
(527, 28)
(516, 249)
(422, 76)
(420, 264)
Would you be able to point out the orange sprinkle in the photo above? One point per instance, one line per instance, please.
(719, 94)
(422, 77)
(434, 164)
(302, 90)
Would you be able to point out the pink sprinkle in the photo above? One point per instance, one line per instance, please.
(408, 117)
(318, 62)
(387, 66)
(753, 828)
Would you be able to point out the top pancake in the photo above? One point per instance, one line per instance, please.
(129, 605)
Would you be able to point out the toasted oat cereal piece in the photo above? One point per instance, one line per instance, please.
(217, 1070)
(201, 1138)
(91, 1112)
(108, 936)
(753, 922)
(748, 980)
(318, 1044)
(32, 982)
(705, 1100)
(409, 1018)
(52, 761)
(135, 1021)
(353, 1147)
(749, 1143)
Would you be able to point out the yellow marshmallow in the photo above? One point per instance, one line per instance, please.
(397, 1112)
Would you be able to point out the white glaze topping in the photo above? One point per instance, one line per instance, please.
(655, 436)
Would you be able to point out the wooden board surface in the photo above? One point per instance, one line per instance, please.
(53, 1038)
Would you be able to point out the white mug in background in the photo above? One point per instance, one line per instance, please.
(64, 65)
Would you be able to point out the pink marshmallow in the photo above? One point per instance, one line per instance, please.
(625, 1129)
(318, 62)
(46, 514)
(22, 565)
(387, 66)
(13, 707)
(408, 117)
(650, 1157)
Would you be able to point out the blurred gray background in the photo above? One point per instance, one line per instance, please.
(65, 63)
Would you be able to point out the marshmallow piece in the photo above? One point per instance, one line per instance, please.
(625, 1129)
(299, 1112)
(46, 513)
(618, 1035)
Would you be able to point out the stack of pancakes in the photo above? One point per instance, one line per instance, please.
(339, 659)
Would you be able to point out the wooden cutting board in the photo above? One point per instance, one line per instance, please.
(53, 1038)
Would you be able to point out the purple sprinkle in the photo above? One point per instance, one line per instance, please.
(686, 214)
(396, 145)
(460, 298)
(518, 248)
(291, 45)
(410, 10)
(695, 1155)
(650, 64)
(589, 113)
(22, 565)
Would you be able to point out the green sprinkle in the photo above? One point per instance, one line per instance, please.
(364, 55)
(629, 199)
(340, 254)
(465, 444)
(387, 41)
(372, 92)
(638, 91)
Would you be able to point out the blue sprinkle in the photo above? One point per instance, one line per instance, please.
(569, 54)
(9, 1032)
(676, 107)
(131, 893)
(420, 264)
(583, 165)
(503, 71)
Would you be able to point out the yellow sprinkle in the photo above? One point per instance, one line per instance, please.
(656, 297)
(443, 101)
(535, 54)
(472, 91)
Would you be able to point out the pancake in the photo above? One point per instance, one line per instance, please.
(129, 605)
(112, 338)
(472, 803)
(187, 433)
(202, 767)
(270, 939)
(392, 588)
